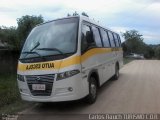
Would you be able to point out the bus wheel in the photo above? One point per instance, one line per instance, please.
(91, 98)
(116, 75)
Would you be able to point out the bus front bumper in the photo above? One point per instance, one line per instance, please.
(69, 89)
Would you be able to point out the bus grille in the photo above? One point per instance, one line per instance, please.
(40, 79)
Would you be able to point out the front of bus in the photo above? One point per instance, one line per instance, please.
(49, 66)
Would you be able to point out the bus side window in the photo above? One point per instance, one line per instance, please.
(116, 39)
(111, 39)
(86, 38)
(105, 38)
(97, 37)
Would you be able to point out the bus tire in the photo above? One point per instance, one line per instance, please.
(92, 96)
(116, 75)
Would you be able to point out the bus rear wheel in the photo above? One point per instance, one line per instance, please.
(91, 98)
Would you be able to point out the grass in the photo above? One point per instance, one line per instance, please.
(10, 100)
(127, 60)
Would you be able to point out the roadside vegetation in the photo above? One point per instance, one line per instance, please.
(13, 38)
(134, 44)
(10, 101)
(127, 60)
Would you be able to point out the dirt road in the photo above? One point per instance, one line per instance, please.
(136, 91)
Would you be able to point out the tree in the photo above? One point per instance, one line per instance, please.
(26, 24)
(133, 42)
(124, 47)
(157, 52)
(2, 35)
(9, 36)
(13, 36)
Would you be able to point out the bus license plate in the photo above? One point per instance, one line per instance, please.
(38, 87)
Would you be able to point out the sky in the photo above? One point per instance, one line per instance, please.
(118, 15)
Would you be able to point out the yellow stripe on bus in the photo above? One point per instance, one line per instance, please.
(70, 61)
(59, 64)
(93, 52)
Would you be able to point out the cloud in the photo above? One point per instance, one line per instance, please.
(121, 15)
(6, 9)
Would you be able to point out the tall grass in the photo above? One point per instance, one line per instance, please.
(8, 89)
(10, 100)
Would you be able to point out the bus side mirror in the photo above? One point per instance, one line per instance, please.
(89, 37)
(90, 40)
(84, 44)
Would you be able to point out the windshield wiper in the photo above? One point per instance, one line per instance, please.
(30, 52)
(37, 44)
(51, 49)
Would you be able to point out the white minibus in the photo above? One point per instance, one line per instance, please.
(68, 59)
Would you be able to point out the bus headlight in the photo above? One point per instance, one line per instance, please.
(67, 74)
(20, 78)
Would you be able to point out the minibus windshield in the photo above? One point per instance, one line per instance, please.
(58, 37)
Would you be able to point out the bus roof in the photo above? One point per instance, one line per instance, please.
(92, 21)
(82, 18)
